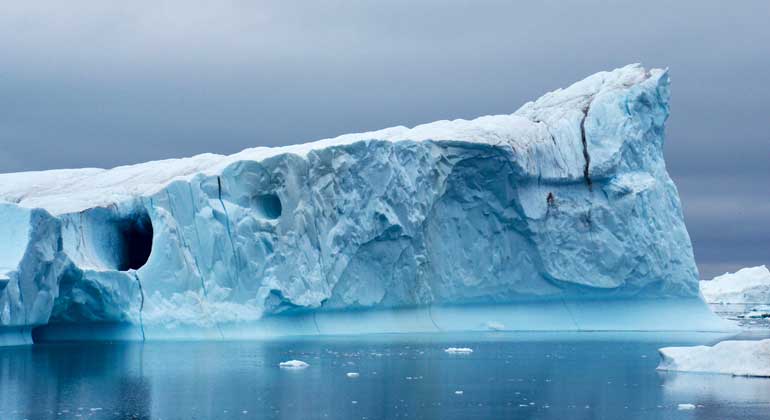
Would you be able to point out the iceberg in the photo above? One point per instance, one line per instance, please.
(750, 285)
(737, 358)
(560, 216)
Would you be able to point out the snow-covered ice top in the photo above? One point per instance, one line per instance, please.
(739, 358)
(72, 190)
(749, 285)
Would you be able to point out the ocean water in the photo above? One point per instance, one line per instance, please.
(508, 376)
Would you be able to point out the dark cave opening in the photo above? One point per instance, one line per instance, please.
(269, 205)
(135, 234)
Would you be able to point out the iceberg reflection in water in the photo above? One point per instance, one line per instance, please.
(508, 375)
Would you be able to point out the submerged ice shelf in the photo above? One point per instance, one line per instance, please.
(559, 216)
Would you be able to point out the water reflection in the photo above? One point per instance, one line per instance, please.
(43, 381)
(507, 376)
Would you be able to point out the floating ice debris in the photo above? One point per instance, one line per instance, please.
(459, 350)
(685, 407)
(762, 311)
(459, 392)
(293, 364)
(495, 326)
(352, 374)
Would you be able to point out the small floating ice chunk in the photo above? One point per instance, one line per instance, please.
(293, 364)
(458, 350)
(459, 392)
(352, 374)
(685, 407)
(762, 311)
(495, 326)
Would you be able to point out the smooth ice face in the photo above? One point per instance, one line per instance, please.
(566, 200)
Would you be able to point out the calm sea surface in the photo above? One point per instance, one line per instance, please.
(508, 375)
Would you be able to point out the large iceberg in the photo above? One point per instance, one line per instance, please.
(560, 216)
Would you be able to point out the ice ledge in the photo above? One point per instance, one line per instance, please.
(691, 315)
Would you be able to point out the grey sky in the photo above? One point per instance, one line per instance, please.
(90, 83)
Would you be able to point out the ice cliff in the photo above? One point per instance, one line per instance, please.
(554, 217)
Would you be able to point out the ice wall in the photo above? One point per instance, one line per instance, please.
(565, 204)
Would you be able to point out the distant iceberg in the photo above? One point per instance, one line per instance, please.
(560, 216)
(739, 358)
(749, 285)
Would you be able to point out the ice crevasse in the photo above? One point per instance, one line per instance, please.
(560, 216)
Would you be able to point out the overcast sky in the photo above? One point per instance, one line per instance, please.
(100, 84)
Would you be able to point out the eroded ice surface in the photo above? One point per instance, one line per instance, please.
(560, 216)
(750, 285)
(740, 358)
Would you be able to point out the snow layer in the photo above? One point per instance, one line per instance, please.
(739, 358)
(749, 285)
(563, 203)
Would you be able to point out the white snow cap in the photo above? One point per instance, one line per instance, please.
(72, 190)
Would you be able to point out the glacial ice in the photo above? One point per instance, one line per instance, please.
(293, 364)
(739, 358)
(750, 285)
(560, 216)
(458, 350)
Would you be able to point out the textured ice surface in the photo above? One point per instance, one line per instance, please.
(547, 218)
(749, 285)
(740, 358)
(293, 364)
